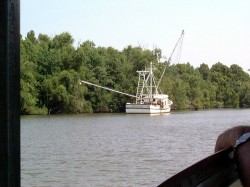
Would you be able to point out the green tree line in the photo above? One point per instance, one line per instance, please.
(51, 70)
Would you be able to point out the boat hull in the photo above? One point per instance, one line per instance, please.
(132, 108)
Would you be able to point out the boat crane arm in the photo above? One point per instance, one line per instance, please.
(106, 88)
(179, 43)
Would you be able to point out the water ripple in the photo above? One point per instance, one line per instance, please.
(118, 149)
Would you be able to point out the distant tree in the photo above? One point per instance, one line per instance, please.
(204, 71)
(51, 70)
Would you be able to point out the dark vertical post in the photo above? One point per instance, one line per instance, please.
(9, 93)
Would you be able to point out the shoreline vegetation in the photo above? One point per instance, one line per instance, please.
(51, 70)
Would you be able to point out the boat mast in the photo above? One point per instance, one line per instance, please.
(151, 81)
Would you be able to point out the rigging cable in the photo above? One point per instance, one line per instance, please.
(178, 44)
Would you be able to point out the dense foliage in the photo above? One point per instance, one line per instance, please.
(51, 70)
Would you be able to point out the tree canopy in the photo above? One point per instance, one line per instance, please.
(51, 70)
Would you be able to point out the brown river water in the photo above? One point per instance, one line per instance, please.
(120, 150)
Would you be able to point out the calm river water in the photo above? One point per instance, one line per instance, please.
(118, 149)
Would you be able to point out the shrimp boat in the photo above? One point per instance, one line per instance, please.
(148, 100)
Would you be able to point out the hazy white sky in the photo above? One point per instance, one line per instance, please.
(215, 30)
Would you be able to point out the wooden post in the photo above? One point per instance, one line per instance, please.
(10, 93)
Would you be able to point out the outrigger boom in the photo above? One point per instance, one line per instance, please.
(106, 88)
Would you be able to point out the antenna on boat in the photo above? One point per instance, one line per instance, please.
(179, 43)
